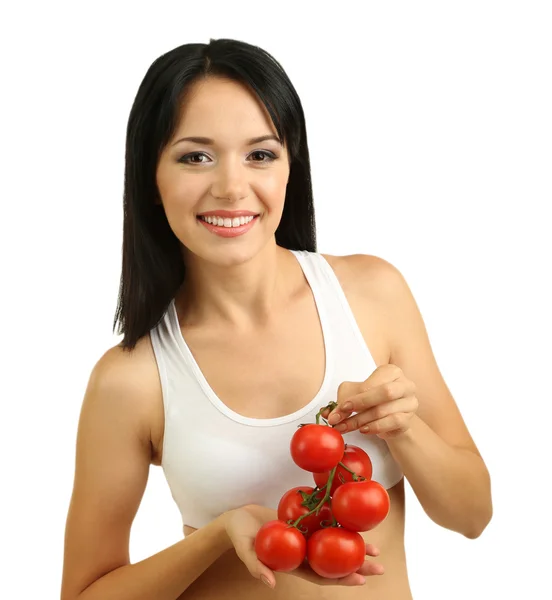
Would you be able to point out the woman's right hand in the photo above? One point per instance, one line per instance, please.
(242, 525)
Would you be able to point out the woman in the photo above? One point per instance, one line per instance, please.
(235, 332)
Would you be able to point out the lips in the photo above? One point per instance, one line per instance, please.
(230, 231)
(228, 214)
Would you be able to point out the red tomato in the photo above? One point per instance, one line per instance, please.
(360, 505)
(356, 459)
(317, 448)
(279, 546)
(336, 552)
(290, 508)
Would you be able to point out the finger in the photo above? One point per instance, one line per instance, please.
(305, 572)
(259, 570)
(403, 405)
(354, 579)
(396, 422)
(383, 373)
(372, 550)
(262, 572)
(370, 568)
(346, 390)
(386, 392)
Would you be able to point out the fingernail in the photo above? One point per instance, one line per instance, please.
(265, 580)
(347, 406)
(341, 427)
(335, 418)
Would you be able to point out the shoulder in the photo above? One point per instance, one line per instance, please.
(380, 287)
(126, 370)
(125, 384)
(369, 276)
(378, 296)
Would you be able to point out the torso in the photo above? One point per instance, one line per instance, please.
(287, 385)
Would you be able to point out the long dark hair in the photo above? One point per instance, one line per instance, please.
(152, 264)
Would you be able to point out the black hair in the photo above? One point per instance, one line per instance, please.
(152, 263)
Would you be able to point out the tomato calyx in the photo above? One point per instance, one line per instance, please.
(313, 502)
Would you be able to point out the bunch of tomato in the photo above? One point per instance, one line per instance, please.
(320, 525)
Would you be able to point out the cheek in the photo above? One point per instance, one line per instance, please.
(181, 194)
(272, 191)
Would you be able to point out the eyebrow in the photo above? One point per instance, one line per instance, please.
(209, 142)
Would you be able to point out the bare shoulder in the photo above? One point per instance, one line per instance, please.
(371, 285)
(117, 359)
(376, 285)
(367, 274)
(112, 461)
(128, 382)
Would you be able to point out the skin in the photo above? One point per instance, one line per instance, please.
(243, 302)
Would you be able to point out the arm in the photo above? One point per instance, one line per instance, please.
(437, 453)
(111, 472)
(451, 483)
(167, 574)
(407, 403)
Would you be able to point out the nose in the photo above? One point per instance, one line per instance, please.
(230, 182)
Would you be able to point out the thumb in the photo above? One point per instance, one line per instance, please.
(262, 572)
(259, 570)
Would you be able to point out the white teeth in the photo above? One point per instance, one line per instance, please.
(227, 222)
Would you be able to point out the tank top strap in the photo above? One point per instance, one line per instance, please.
(347, 341)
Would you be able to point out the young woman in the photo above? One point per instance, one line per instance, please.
(235, 331)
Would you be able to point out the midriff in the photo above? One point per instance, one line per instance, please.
(228, 578)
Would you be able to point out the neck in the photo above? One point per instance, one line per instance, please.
(242, 295)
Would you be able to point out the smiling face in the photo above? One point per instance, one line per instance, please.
(222, 177)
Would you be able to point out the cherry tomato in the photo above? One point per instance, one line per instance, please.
(356, 459)
(335, 552)
(360, 505)
(290, 508)
(279, 546)
(317, 448)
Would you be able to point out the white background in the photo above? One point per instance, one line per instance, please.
(430, 128)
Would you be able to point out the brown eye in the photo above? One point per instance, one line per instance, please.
(263, 153)
(190, 159)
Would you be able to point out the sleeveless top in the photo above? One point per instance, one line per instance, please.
(215, 459)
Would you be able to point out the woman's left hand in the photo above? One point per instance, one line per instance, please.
(384, 404)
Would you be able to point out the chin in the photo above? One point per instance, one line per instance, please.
(232, 255)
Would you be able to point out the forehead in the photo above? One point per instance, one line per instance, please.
(221, 105)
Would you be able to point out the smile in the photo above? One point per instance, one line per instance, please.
(227, 221)
(228, 227)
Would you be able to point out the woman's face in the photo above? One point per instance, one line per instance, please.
(223, 186)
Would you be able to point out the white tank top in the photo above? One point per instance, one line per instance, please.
(215, 459)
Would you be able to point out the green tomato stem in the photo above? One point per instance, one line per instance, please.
(320, 504)
(355, 476)
(331, 406)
